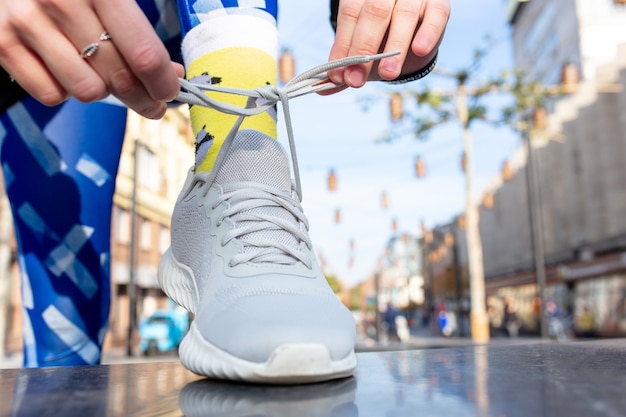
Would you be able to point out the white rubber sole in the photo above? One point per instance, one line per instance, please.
(289, 364)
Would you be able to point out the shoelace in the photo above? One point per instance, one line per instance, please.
(311, 81)
(243, 197)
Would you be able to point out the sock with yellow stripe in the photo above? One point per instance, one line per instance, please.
(236, 50)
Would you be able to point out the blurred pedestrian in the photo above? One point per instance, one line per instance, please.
(511, 320)
(391, 325)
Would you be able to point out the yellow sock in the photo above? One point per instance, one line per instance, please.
(234, 51)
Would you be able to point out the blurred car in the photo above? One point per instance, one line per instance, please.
(163, 331)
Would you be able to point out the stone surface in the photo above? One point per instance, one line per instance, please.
(534, 379)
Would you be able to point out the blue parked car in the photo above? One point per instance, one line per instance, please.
(163, 331)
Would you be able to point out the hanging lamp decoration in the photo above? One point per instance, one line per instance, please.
(507, 171)
(540, 118)
(396, 109)
(332, 180)
(488, 200)
(570, 77)
(337, 216)
(351, 244)
(426, 234)
(463, 162)
(460, 221)
(286, 66)
(384, 200)
(394, 224)
(420, 168)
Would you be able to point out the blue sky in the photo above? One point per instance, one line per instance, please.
(337, 132)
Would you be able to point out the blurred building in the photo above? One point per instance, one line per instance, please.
(165, 151)
(398, 279)
(401, 280)
(580, 157)
(581, 165)
(446, 272)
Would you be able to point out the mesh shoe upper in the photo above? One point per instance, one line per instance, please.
(245, 238)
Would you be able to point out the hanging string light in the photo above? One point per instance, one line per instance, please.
(488, 200)
(286, 66)
(570, 77)
(394, 224)
(460, 221)
(395, 107)
(426, 234)
(332, 180)
(420, 168)
(507, 171)
(337, 216)
(540, 118)
(384, 200)
(463, 162)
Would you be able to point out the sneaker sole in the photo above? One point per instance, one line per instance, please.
(289, 364)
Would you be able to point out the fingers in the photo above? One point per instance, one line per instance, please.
(361, 26)
(23, 63)
(404, 21)
(38, 82)
(365, 27)
(140, 46)
(41, 40)
(430, 32)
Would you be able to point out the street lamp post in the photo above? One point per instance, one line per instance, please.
(132, 293)
(479, 322)
(534, 212)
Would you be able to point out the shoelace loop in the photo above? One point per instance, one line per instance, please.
(311, 81)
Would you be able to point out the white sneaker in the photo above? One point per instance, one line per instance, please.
(241, 259)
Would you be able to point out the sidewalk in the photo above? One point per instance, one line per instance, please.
(421, 338)
(109, 357)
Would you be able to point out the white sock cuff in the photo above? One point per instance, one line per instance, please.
(226, 31)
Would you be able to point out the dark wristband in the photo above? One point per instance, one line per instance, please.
(416, 75)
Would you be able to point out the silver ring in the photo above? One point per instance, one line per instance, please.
(91, 49)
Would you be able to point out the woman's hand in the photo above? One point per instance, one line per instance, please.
(41, 44)
(366, 27)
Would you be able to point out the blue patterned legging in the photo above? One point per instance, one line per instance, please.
(59, 166)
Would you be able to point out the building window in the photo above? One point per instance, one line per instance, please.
(149, 174)
(145, 235)
(539, 28)
(122, 226)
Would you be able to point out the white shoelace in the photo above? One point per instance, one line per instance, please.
(242, 198)
(311, 81)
